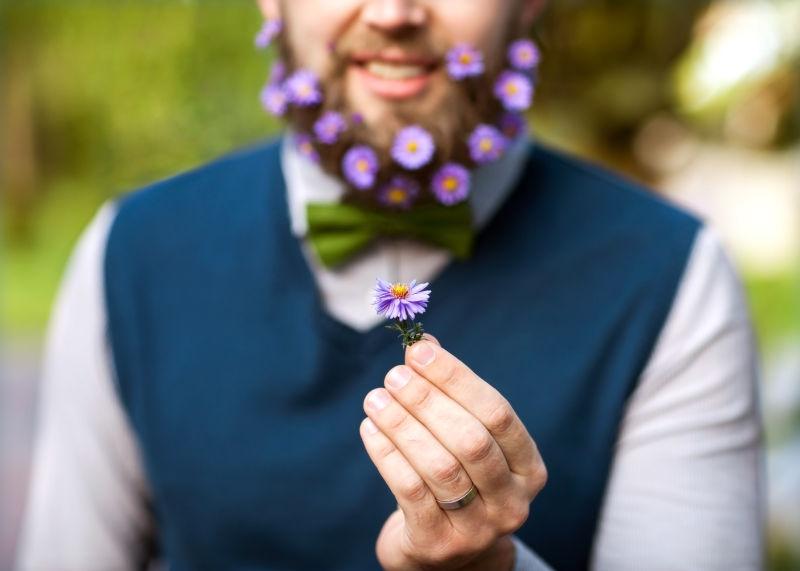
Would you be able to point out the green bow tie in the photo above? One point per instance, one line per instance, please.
(339, 231)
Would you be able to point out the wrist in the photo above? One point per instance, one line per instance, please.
(499, 557)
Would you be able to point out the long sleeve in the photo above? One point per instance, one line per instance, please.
(687, 485)
(88, 504)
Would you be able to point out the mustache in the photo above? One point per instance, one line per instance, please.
(412, 43)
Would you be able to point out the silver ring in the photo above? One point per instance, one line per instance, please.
(458, 502)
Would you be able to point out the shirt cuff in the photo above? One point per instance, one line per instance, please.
(525, 559)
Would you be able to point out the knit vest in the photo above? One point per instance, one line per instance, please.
(246, 396)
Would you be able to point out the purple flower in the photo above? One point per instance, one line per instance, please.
(328, 127)
(451, 183)
(413, 147)
(400, 300)
(486, 144)
(464, 61)
(399, 192)
(277, 72)
(514, 90)
(305, 145)
(302, 88)
(524, 55)
(267, 33)
(360, 164)
(273, 99)
(513, 125)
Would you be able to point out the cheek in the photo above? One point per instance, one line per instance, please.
(481, 23)
(311, 24)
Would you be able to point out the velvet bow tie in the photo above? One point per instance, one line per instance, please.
(339, 231)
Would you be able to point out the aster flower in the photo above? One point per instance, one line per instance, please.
(402, 301)
(450, 184)
(302, 88)
(513, 125)
(524, 55)
(360, 164)
(305, 145)
(514, 90)
(486, 144)
(399, 192)
(464, 61)
(328, 127)
(277, 72)
(413, 147)
(267, 33)
(273, 99)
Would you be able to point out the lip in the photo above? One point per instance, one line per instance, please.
(394, 89)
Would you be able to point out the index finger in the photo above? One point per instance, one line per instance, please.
(492, 409)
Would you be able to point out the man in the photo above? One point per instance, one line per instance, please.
(589, 399)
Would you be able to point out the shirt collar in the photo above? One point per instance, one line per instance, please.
(307, 182)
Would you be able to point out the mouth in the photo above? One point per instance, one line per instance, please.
(394, 75)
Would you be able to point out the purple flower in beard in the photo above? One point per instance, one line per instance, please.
(451, 184)
(305, 145)
(413, 147)
(277, 72)
(514, 90)
(524, 55)
(328, 127)
(274, 100)
(400, 300)
(486, 144)
(360, 165)
(400, 192)
(464, 61)
(302, 88)
(267, 33)
(513, 125)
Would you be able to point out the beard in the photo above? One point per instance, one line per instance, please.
(450, 111)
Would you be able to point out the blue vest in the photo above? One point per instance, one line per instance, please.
(246, 396)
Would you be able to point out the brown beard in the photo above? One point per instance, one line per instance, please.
(452, 115)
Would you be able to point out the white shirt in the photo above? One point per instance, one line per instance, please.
(686, 489)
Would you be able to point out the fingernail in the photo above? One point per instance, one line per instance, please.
(378, 399)
(369, 426)
(422, 353)
(398, 377)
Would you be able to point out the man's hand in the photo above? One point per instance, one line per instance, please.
(433, 435)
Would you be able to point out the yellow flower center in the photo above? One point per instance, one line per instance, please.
(486, 145)
(412, 146)
(450, 184)
(400, 290)
(362, 165)
(465, 58)
(511, 89)
(396, 196)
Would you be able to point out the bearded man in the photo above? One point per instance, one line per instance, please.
(589, 400)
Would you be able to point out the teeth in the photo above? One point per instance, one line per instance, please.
(394, 70)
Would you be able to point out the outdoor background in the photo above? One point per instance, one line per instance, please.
(700, 100)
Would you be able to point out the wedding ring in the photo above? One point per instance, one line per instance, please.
(458, 502)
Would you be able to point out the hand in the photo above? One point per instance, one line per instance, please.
(442, 431)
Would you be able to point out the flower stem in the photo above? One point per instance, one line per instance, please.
(410, 331)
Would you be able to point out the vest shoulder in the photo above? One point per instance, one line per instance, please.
(204, 187)
(606, 195)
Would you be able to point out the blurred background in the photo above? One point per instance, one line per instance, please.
(698, 99)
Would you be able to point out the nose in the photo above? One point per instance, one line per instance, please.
(392, 15)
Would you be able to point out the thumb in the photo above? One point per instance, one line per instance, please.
(429, 337)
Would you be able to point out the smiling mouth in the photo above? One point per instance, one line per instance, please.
(394, 75)
(394, 66)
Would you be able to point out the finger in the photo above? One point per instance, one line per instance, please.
(458, 430)
(410, 490)
(481, 399)
(441, 471)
